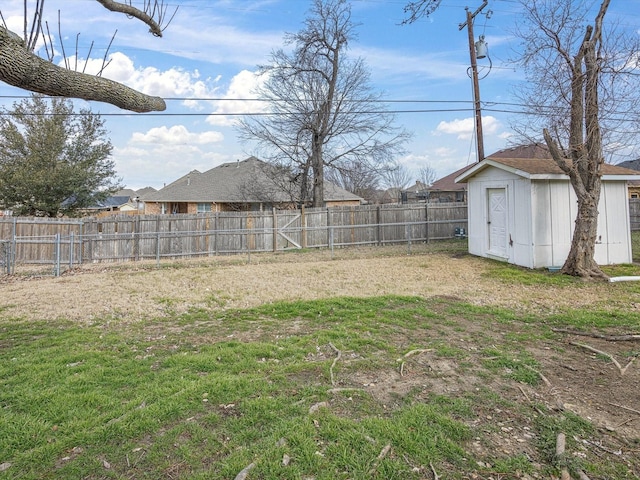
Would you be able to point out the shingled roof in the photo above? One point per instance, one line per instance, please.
(533, 150)
(244, 181)
(543, 168)
(534, 161)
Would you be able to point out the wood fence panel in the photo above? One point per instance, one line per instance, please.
(143, 237)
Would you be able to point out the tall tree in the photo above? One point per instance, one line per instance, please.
(53, 161)
(22, 68)
(581, 82)
(323, 111)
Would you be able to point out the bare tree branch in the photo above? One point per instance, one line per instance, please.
(131, 11)
(22, 68)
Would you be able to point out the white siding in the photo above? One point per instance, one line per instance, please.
(614, 230)
(564, 208)
(541, 218)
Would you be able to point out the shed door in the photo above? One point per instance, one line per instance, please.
(497, 221)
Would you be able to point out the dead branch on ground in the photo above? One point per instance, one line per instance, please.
(383, 453)
(345, 389)
(625, 408)
(408, 354)
(335, 360)
(435, 475)
(609, 338)
(621, 369)
(544, 379)
(244, 472)
(560, 458)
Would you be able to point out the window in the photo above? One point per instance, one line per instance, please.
(203, 208)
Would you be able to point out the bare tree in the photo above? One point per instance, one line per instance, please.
(21, 67)
(581, 81)
(427, 175)
(323, 112)
(356, 178)
(397, 176)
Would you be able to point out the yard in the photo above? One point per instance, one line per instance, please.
(407, 363)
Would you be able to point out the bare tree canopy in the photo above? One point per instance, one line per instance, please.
(21, 67)
(582, 86)
(419, 8)
(323, 112)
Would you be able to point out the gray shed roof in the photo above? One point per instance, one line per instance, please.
(541, 169)
(244, 181)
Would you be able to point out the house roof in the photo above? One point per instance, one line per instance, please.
(145, 191)
(246, 181)
(532, 150)
(448, 183)
(542, 169)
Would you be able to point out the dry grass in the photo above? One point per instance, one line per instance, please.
(132, 292)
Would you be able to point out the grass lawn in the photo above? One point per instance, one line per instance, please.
(382, 387)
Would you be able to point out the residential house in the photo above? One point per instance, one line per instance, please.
(446, 190)
(247, 185)
(126, 201)
(415, 193)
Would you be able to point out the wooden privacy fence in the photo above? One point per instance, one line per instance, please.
(634, 213)
(121, 238)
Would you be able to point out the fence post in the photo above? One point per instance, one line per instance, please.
(56, 268)
(71, 245)
(216, 220)
(275, 230)
(426, 217)
(136, 237)
(407, 233)
(158, 248)
(14, 244)
(303, 227)
(81, 243)
(330, 231)
(249, 236)
(378, 226)
(5, 256)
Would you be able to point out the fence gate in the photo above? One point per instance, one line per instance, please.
(287, 226)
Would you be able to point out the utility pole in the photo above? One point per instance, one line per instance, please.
(476, 84)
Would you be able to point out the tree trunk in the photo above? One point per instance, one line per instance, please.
(318, 172)
(580, 261)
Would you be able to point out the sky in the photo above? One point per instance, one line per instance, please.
(205, 62)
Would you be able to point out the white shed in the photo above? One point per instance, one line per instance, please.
(522, 211)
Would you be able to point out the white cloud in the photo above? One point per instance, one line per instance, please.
(175, 135)
(174, 82)
(465, 128)
(242, 86)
